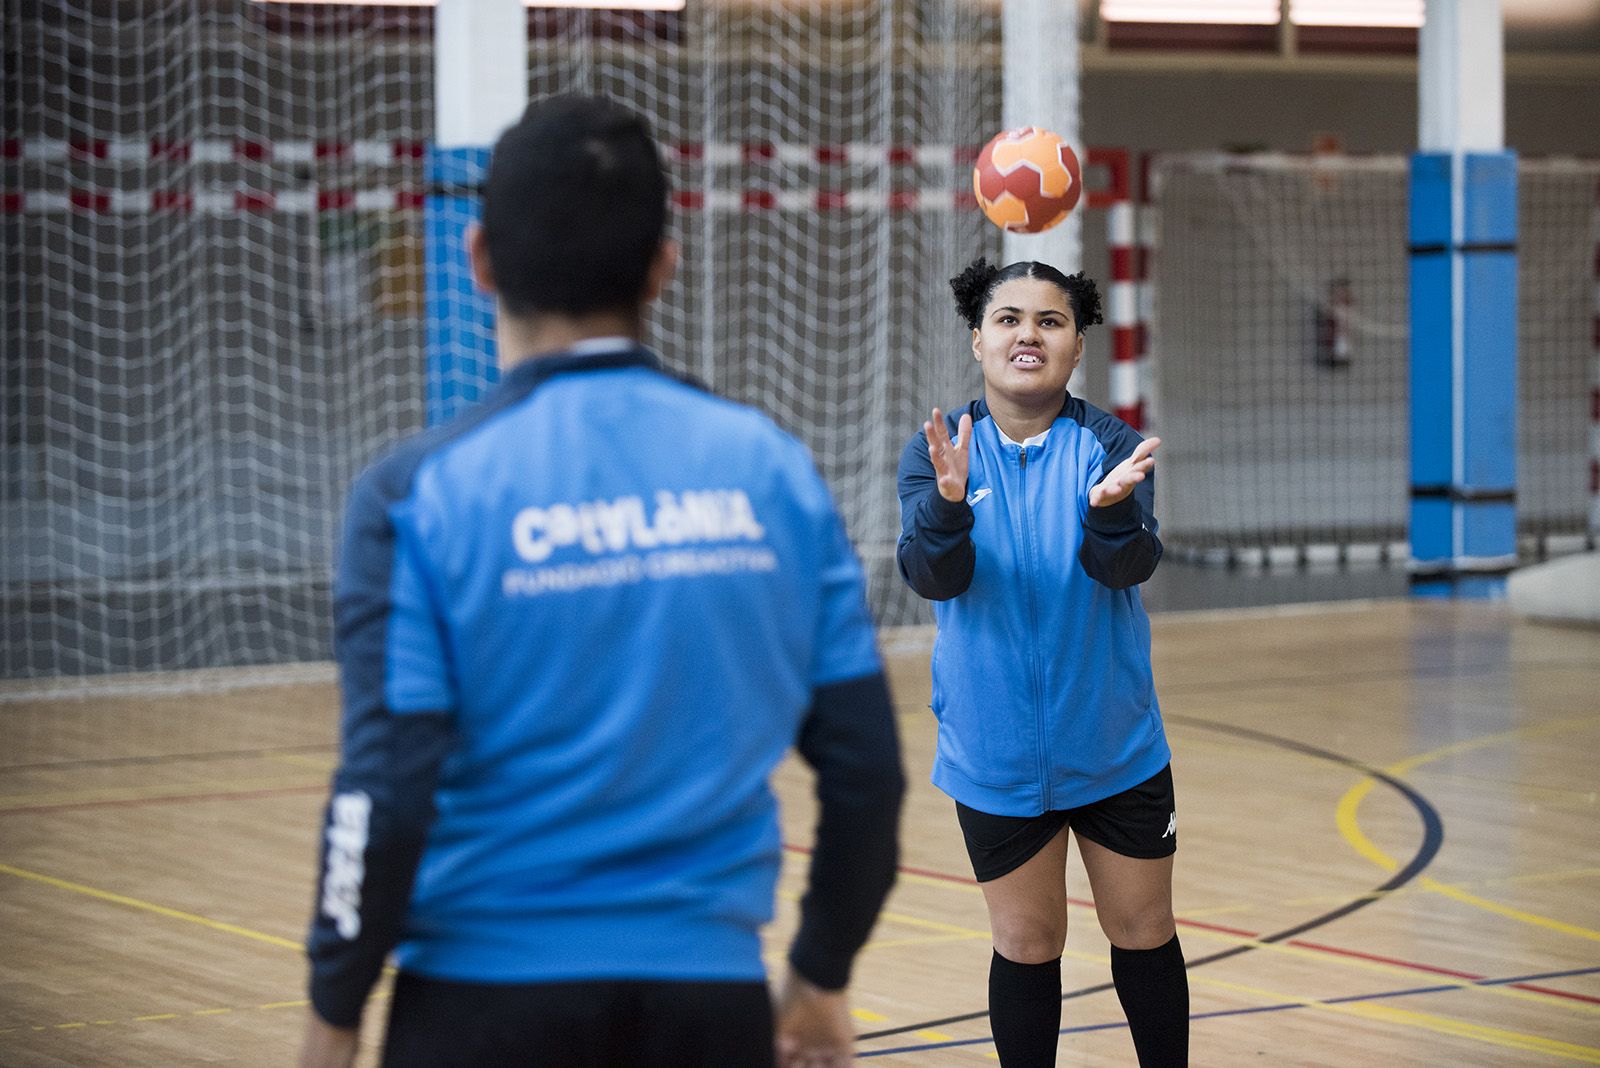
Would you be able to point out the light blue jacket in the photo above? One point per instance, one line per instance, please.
(577, 629)
(1041, 671)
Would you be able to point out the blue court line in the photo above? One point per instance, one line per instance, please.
(1438, 989)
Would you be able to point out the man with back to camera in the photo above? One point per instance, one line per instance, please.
(577, 628)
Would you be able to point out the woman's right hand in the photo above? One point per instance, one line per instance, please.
(949, 458)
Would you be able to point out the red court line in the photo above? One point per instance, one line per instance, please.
(967, 881)
(244, 795)
(1358, 954)
(1317, 947)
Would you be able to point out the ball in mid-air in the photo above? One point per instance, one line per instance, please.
(1027, 180)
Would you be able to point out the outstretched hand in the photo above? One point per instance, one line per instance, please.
(949, 458)
(1120, 482)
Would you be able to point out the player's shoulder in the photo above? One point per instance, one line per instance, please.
(391, 476)
(738, 425)
(1114, 435)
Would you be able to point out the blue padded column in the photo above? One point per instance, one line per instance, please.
(1463, 373)
(461, 357)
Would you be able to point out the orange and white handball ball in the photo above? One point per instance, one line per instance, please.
(1027, 180)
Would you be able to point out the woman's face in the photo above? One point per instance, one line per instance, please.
(1028, 340)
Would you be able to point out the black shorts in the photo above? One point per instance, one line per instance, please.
(1140, 822)
(436, 1023)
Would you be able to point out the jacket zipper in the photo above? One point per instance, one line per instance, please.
(1033, 649)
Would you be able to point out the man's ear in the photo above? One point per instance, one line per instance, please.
(663, 265)
(977, 339)
(478, 259)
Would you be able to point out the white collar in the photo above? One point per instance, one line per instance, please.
(592, 346)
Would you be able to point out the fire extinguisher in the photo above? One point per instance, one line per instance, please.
(1333, 325)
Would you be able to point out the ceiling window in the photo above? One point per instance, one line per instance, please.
(1264, 26)
(1232, 12)
(603, 5)
(1399, 14)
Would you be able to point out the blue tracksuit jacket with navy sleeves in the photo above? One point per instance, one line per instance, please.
(577, 629)
(1041, 670)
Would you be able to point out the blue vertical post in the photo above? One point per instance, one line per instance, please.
(1463, 241)
(1463, 372)
(480, 86)
(461, 353)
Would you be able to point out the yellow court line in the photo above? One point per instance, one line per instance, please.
(1301, 952)
(1370, 1010)
(964, 887)
(170, 913)
(925, 940)
(959, 933)
(1383, 967)
(1429, 1022)
(377, 995)
(1478, 784)
(146, 906)
(323, 764)
(1347, 817)
(953, 932)
(202, 790)
(947, 884)
(1367, 1010)
(1556, 876)
(933, 925)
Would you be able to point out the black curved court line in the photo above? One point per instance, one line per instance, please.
(1432, 839)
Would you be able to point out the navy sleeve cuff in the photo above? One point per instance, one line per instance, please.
(340, 1002)
(828, 971)
(946, 515)
(1119, 518)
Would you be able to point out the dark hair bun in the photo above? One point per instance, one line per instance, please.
(972, 287)
(1086, 305)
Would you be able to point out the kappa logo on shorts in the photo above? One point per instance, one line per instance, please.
(1172, 826)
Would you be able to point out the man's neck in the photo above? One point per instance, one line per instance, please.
(519, 340)
(1021, 420)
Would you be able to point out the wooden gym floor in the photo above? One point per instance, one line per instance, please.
(1389, 816)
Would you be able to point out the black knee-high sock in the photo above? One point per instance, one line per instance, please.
(1025, 1011)
(1154, 991)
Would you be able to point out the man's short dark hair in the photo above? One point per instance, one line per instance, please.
(574, 208)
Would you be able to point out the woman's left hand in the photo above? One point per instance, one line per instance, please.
(1120, 482)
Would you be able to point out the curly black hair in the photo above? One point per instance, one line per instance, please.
(974, 287)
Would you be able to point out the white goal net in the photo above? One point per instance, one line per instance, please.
(213, 275)
(1281, 334)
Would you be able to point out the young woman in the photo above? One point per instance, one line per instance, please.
(1028, 520)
